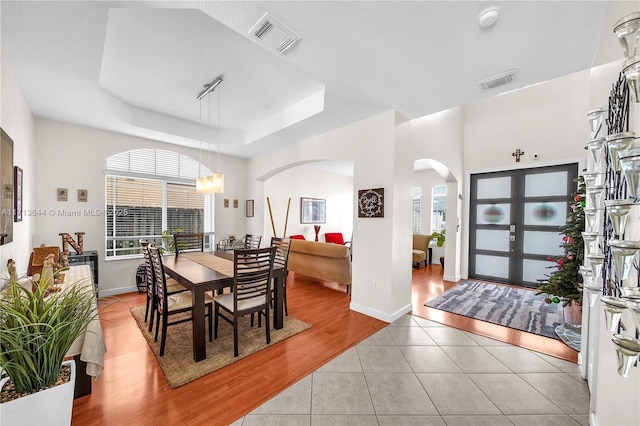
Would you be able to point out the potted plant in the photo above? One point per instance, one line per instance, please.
(439, 237)
(38, 327)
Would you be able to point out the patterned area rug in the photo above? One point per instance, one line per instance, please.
(512, 307)
(177, 363)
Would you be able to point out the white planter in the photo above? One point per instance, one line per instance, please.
(53, 406)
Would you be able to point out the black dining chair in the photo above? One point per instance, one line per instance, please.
(251, 291)
(280, 261)
(188, 242)
(152, 300)
(169, 305)
(252, 241)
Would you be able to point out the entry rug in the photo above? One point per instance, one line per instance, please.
(512, 307)
(177, 362)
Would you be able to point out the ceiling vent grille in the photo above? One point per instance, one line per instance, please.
(498, 80)
(273, 35)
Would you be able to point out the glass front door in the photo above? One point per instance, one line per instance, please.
(515, 222)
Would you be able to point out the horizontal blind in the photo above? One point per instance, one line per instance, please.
(159, 163)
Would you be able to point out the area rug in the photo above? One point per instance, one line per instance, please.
(512, 307)
(177, 362)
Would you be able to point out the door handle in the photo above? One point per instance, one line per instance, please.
(512, 237)
(512, 228)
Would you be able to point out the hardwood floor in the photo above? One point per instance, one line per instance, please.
(132, 389)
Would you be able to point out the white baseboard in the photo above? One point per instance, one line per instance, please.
(116, 291)
(452, 278)
(382, 316)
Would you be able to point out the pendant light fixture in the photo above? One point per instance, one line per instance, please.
(213, 184)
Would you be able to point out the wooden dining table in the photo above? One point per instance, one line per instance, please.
(200, 272)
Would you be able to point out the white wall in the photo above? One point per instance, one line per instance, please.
(381, 271)
(73, 157)
(17, 121)
(303, 181)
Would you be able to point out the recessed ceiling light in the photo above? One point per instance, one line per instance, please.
(488, 16)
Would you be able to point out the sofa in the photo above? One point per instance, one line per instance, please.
(421, 249)
(326, 261)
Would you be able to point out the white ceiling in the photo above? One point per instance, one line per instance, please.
(136, 67)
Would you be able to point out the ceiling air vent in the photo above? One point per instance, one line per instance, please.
(273, 35)
(498, 80)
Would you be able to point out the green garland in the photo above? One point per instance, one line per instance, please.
(565, 283)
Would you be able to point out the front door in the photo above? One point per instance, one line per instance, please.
(515, 222)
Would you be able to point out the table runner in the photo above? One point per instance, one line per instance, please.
(219, 264)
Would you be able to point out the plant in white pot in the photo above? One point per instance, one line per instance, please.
(37, 328)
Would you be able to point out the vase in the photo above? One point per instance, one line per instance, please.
(53, 406)
(317, 229)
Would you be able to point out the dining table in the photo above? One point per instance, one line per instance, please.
(200, 272)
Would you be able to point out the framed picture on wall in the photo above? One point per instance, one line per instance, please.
(371, 202)
(17, 195)
(249, 208)
(6, 188)
(312, 210)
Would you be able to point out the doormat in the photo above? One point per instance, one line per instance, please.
(513, 307)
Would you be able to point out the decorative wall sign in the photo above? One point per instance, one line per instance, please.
(62, 194)
(83, 195)
(17, 201)
(249, 208)
(312, 210)
(235, 204)
(226, 203)
(371, 202)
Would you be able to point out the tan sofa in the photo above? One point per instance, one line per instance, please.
(421, 249)
(326, 261)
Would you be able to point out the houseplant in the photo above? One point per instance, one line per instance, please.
(439, 237)
(564, 284)
(39, 326)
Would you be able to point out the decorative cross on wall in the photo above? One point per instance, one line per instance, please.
(517, 154)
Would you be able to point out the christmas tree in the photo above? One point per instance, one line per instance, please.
(565, 283)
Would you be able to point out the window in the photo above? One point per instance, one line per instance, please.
(439, 203)
(148, 191)
(415, 209)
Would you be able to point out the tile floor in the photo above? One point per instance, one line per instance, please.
(419, 372)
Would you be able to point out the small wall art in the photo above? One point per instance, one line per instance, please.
(226, 203)
(83, 195)
(249, 208)
(371, 202)
(6, 188)
(62, 193)
(235, 204)
(312, 210)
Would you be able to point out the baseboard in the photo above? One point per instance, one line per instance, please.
(452, 278)
(382, 316)
(116, 291)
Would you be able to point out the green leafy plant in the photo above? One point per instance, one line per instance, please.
(564, 284)
(38, 329)
(168, 241)
(439, 237)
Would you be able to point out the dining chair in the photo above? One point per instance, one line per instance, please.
(280, 260)
(152, 301)
(188, 242)
(251, 291)
(252, 241)
(172, 304)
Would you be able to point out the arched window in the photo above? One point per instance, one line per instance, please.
(149, 191)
